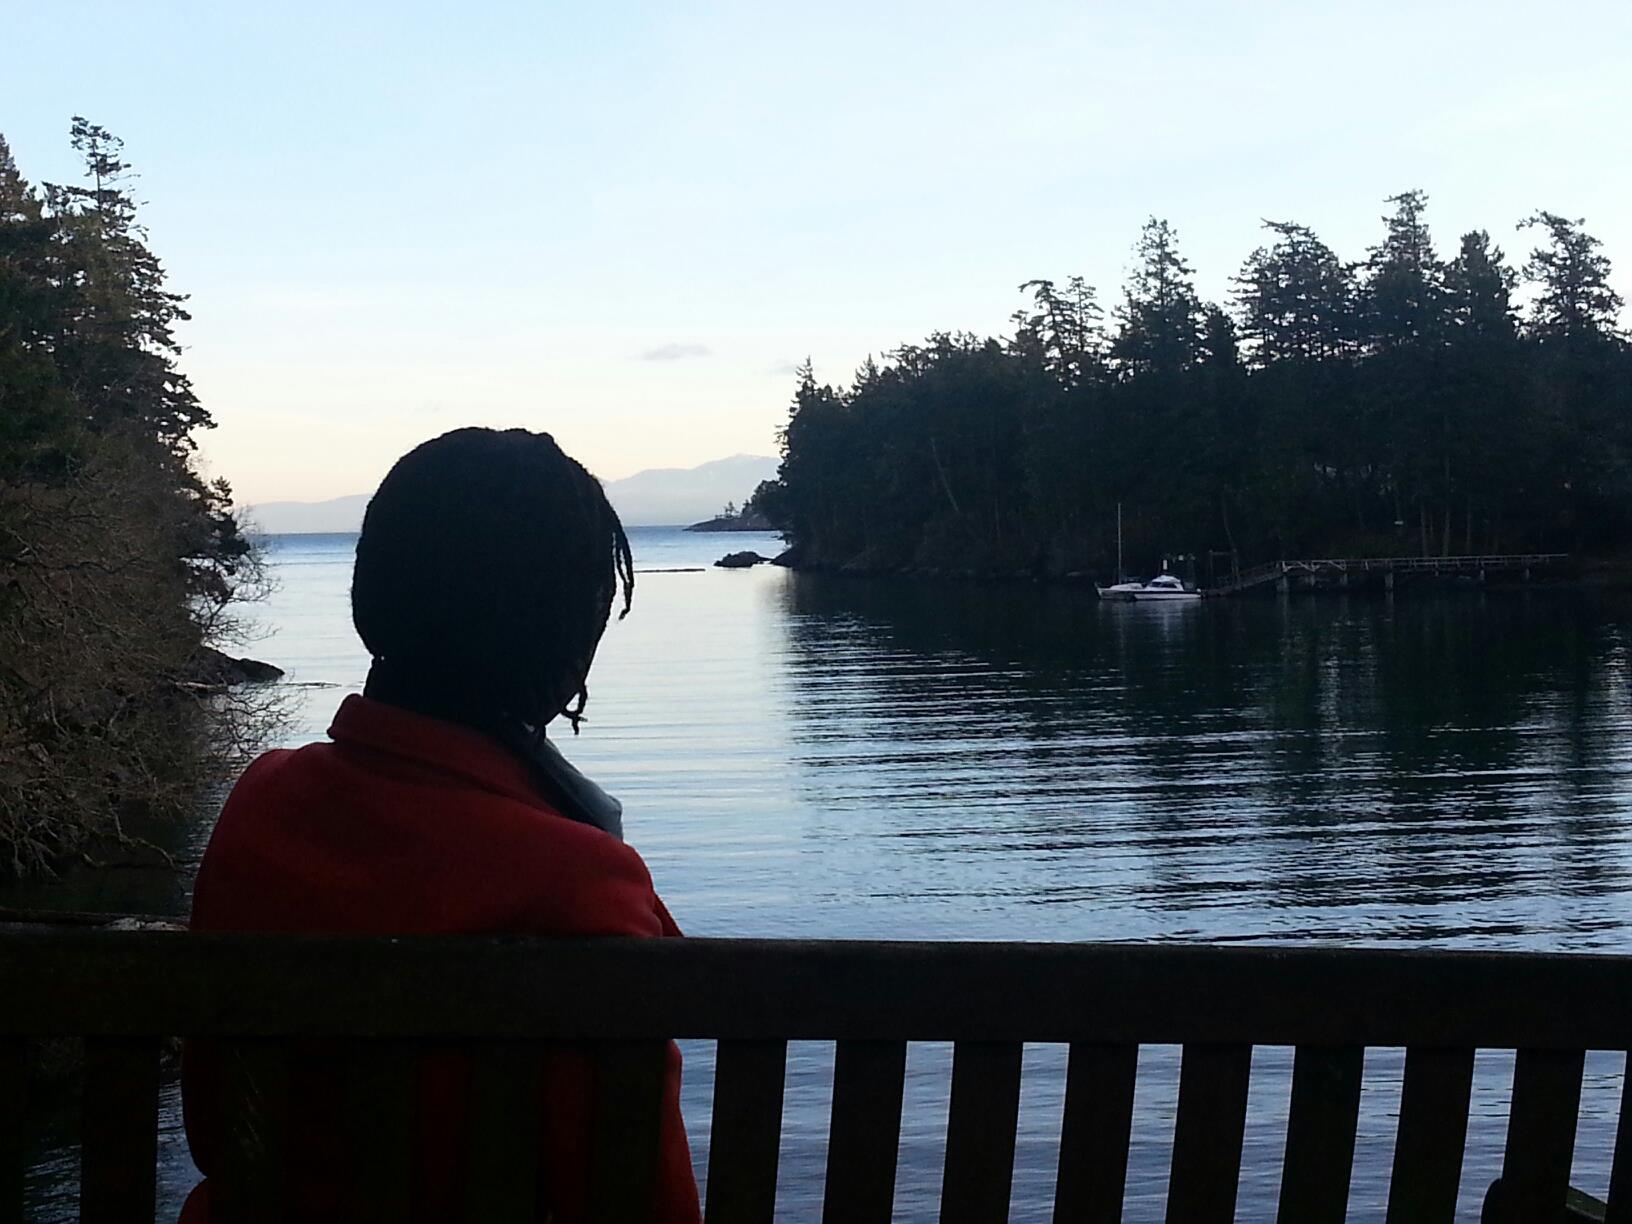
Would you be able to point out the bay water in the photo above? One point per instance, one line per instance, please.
(818, 756)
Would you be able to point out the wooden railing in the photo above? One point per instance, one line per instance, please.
(124, 991)
(1252, 576)
(1270, 571)
(1472, 561)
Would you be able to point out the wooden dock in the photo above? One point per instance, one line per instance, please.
(1347, 572)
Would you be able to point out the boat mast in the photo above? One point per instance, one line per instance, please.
(1119, 541)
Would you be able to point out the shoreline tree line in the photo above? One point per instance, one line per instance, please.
(1408, 403)
(119, 561)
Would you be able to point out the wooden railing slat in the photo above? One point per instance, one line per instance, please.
(746, 1136)
(1620, 1175)
(254, 1111)
(628, 1129)
(119, 1130)
(979, 1170)
(1541, 1133)
(1207, 1136)
(13, 1146)
(865, 1132)
(1432, 1134)
(503, 1138)
(1320, 1131)
(381, 1091)
(1094, 1134)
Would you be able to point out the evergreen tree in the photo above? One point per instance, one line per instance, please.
(1296, 302)
(1404, 429)
(117, 560)
(1404, 279)
(1160, 313)
(1492, 442)
(1295, 298)
(1479, 291)
(34, 407)
(18, 201)
(1574, 299)
(1066, 327)
(119, 354)
(1583, 375)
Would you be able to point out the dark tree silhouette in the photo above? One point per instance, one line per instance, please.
(1395, 405)
(118, 561)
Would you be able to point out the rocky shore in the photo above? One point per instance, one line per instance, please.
(735, 522)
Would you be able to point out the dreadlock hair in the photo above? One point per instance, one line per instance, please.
(486, 572)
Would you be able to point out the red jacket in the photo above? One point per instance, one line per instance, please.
(406, 825)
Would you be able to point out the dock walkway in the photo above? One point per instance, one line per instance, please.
(1341, 571)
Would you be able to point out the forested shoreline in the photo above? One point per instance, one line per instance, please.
(1403, 404)
(119, 561)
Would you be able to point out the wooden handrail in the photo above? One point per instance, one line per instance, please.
(485, 987)
(1314, 566)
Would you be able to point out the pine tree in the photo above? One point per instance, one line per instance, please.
(1479, 291)
(1295, 298)
(1160, 314)
(34, 407)
(1497, 444)
(1403, 432)
(1583, 373)
(119, 355)
(18, 201)
(1574, 299)
(1404, 279)
(1066, 327)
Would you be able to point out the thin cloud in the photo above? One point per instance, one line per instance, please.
(783, 369)
(675, 352)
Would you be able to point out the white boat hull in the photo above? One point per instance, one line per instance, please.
(1160, 596)
(1138, 592)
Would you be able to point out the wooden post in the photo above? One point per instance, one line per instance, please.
(13, 1100)
(119, 1130)
(747, 1131)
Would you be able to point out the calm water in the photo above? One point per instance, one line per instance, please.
(828, 757)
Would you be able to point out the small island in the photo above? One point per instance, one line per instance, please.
(747, 518)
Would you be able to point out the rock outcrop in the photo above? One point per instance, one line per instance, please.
(217, 669)
(740, 560)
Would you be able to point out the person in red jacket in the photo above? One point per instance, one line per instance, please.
(486, 572)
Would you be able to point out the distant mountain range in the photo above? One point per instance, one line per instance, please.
(663, 497)
(302, 518)
(658, 497)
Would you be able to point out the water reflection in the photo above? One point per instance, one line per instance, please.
(1359, 770)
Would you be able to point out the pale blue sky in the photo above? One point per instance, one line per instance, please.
(626, 222)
